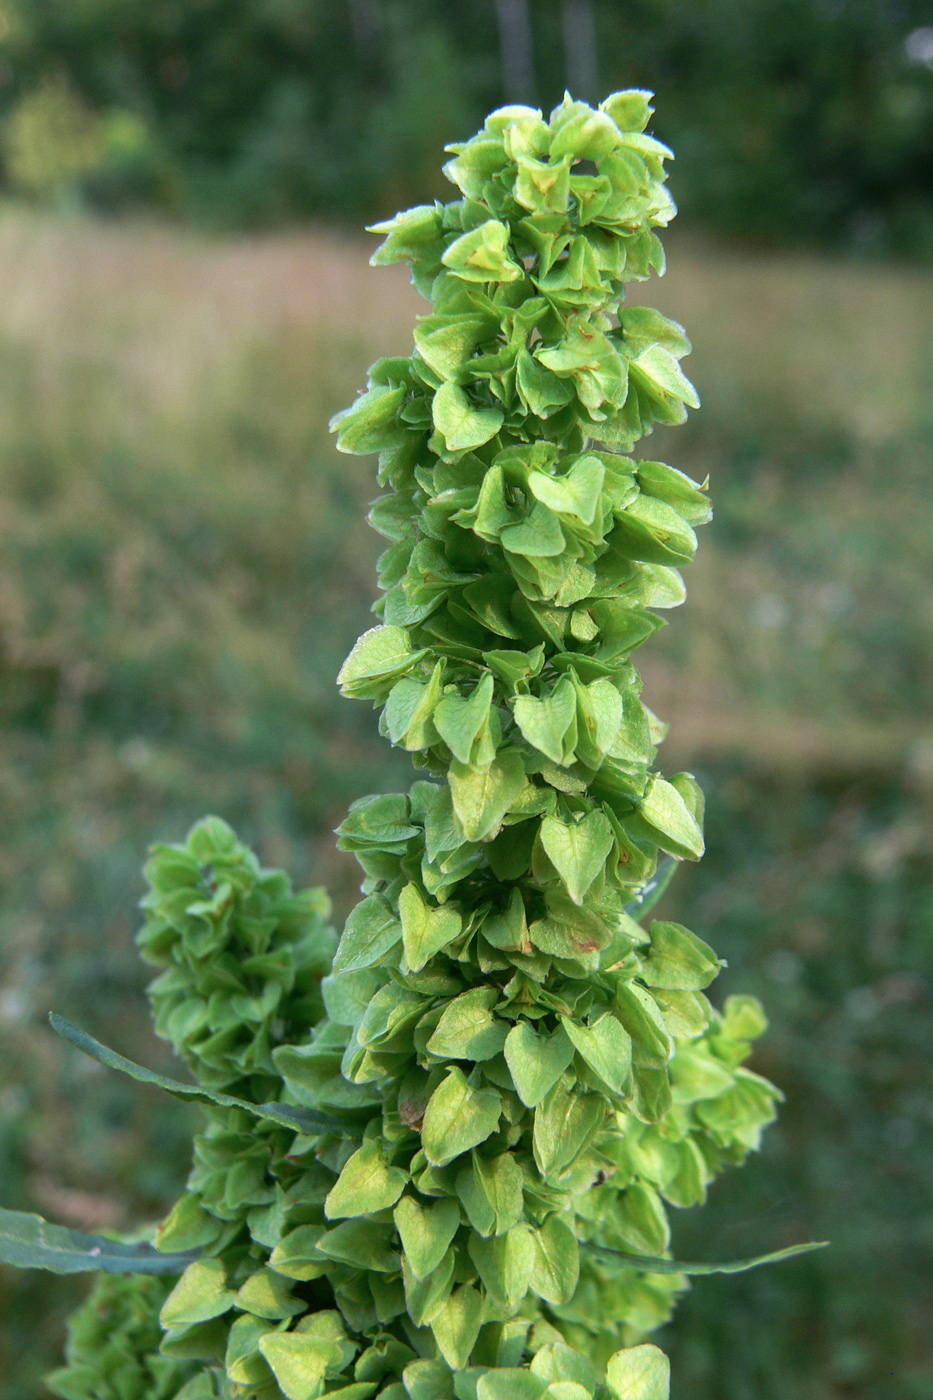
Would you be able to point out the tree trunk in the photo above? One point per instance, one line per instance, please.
(515, 42)
(579, 24)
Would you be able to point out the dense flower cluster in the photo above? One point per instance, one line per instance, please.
(524, 1070)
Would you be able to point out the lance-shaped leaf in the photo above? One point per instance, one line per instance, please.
(299, 1120)
(29, 1242)
(650, 1265)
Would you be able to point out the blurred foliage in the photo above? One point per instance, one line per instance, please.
(794, 120)
(183, 567)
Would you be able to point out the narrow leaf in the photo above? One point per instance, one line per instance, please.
(650, 1265)
(300, 1120)
(29, 1242)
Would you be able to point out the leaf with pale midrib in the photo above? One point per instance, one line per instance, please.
(300, 1120)
(29, 1242)
(646, 1264)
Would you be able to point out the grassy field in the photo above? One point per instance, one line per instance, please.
(184, 564)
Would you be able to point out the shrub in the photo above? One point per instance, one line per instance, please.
(438, 1153)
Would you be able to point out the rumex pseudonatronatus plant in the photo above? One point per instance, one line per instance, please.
(439, 1153)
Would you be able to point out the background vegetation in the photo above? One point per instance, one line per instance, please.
(184, 564)
(794, 121)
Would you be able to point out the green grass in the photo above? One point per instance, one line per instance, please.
(183, 565)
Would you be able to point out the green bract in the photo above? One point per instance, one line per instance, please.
(507, 1078)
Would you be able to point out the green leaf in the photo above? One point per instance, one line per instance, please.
(679, 490)
(630, 110)
(510, 1383)
(428, 1380)
(536, 1062)
(457, 1118)
(296, 1255)
(482, 255)
(370, 424)
(557, 1362)
(639, 1013)
(362, 1243)
(639, 1373)
(482, 797)
(585, 135)
(505, 1263)
(652, 530)
(605, 1046)
(299, 1362)
(299, 1120)
(657, 369)
(199, 1295)
(29, 1242)
(371, 931)
(426, 1231)
(267, 1295)
(577, 850)
(546, 723)
(663, 808)
(557, 1261)
(381, 655)
(382, 821)
(643, 327)
(425, 930)
(366, 1184)
(678, 960)
(538, 536)
(446, 342)
(459, 720)
(461, 424)
(411, 235)
(456, 1326)
(650, 1265)
(500, 1184)
(467, 1029)
(565, 1123)
(575, 494)
(425, 1297)
(347, 994)
(410, 709)
(599, 719)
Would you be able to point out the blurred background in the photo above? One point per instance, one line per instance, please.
(185, 300)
